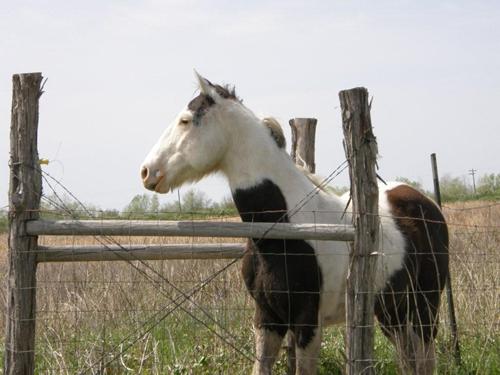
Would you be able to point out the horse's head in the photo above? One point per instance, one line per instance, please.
(195, 143)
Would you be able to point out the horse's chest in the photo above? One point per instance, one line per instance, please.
(286, 281)
(332, 259)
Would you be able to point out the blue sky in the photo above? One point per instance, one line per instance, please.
(118, 72)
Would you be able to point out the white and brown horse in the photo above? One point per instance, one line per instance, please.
(298, 285)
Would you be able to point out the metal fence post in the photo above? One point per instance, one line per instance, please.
(449, 291)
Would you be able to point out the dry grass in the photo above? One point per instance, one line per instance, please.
(475, 271)
(88, 313)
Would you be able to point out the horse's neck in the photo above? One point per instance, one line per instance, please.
(265, 183)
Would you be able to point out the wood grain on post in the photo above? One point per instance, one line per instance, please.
(303, 140)
(129, 252)
(303, 154)
(361, 151)
(24, 201)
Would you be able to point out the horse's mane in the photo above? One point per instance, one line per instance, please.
(279, 137)
(276, 131)
(317, 181)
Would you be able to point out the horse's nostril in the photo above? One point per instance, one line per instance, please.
(144, 173)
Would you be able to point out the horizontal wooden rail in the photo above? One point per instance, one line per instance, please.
(328, 232)
(95, 253)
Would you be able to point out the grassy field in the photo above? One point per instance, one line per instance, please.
(116, 318)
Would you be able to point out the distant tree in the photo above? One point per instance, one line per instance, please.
(64, 206)
(171, 207)
(195, 200)
(226, 205)
(454, 188)
(489, 184)
(4, 222)
(111, 214)
(154, 203)
(140, 204)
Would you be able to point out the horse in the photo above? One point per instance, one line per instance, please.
(298, 285)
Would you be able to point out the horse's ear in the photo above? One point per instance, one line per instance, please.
(205, 85)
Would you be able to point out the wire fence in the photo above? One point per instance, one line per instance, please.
(195, 316)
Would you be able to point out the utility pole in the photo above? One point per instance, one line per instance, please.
(472, 172)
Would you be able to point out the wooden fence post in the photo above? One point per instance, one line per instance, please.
(302, 152)
(361, 150)
(24, 201)
(303, 139)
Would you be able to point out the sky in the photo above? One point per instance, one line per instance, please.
(118, 72)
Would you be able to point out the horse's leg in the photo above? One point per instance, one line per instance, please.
(269, 335)
(425, 326)
(267, 347)
(392, 311)
(308, 344)
(410, 322)
(415, 356)
(424, 306)
(291, 354)
(425, 319)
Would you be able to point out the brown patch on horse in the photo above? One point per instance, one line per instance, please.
(426, 262)
(408, 204)
(408, 307)
(423, 226)
(412, 209)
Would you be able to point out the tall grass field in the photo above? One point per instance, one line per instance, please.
(120, 318)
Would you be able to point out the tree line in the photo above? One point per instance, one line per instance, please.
(195, 203)
(455, 189)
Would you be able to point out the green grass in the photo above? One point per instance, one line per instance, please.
(181, 346)
(178, 345)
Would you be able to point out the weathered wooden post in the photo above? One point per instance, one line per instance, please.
(303, 140)
(24, 201)
(302, 152)
(361, 150)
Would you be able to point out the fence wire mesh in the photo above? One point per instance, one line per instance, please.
(195, 316)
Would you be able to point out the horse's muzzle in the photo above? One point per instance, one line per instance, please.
(151, 179)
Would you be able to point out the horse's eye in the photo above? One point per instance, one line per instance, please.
(184, 121)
